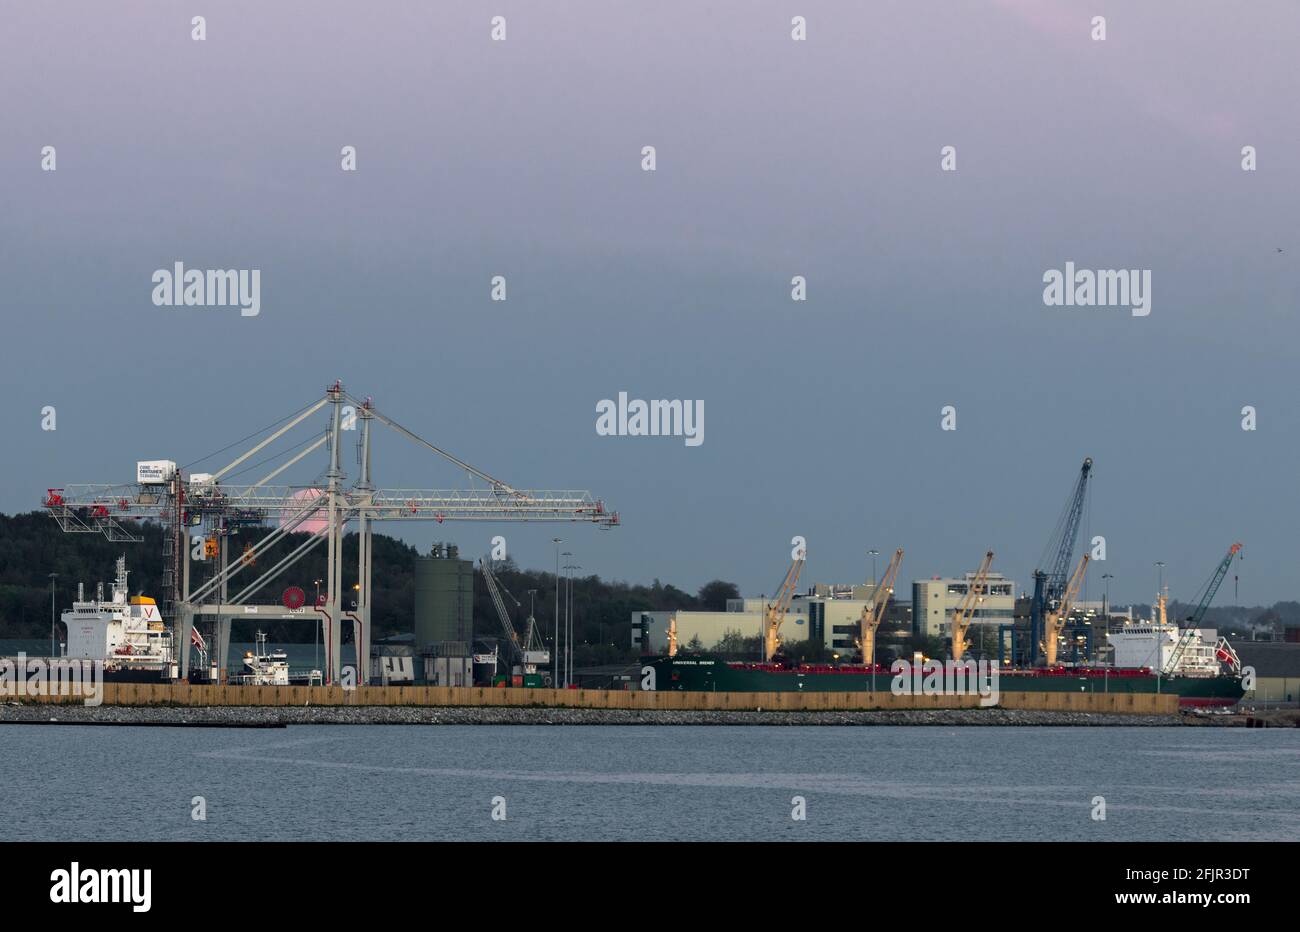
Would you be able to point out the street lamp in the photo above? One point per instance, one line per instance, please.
(874, 553)
(1160, 570)
(53, 576)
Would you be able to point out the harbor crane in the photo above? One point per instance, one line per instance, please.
(1050, 578)
(874, 611)
(528, 651)
(1224, 651)
(322, 508)
(777, 608)
(1056, 616)
(965, 611)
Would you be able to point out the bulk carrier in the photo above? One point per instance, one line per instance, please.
(1157, 656)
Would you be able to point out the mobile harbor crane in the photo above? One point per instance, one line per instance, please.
(1050, 582)
(528, 651)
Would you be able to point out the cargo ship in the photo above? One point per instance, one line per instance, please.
(124, 632)
(1150, 657)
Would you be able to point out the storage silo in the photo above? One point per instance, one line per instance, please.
(444, 603)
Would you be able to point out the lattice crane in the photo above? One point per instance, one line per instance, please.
(965, 611)
(1056, 616)
(1050, 577)
(777, 608)
(874, 611)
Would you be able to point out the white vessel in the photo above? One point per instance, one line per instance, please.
(1161, 646)
(263, 667)
(125, 632)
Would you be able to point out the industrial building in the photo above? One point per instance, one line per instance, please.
(934, 601)
(1277, 670)
(444, 616)
(828, 614)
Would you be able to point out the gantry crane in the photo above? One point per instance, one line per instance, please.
(965, 611)
(1057, 615)
(323, 508)
(1050, 577)
(874, 611)
(777, 608)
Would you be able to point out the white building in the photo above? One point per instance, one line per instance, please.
(934, 600)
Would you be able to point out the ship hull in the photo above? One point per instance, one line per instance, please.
(711, 674)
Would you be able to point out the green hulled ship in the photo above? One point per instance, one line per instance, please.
(710, 673)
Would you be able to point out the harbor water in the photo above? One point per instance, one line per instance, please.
(660, 783)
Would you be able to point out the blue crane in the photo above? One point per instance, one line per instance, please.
(1050, 582)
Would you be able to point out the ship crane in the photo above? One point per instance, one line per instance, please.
(776, 609)
(965, 611)
(874, 611)
(323, 507)
(1055, 621)
(1194, 620)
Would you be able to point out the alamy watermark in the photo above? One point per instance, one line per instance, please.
(181, 287)
(637, 418)
(947, 678)
(22, 677)
(1103, 288)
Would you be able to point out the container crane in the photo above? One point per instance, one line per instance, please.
(776, 609)
(1056, 616)
(874, 611)
(322, 509)
(1050, 582)
(965, 611)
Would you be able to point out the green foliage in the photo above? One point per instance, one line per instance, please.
(713, 595)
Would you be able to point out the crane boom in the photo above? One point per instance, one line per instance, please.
(776, 609)
(962, 615)
(1194, 619)
(1056, 617)
(1050, 577)
(490, 579)
(874, 611)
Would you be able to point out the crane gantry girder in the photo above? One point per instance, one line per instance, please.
(183, 502)
(874, 611)
(965, 611)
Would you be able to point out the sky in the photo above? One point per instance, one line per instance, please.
(775, 158)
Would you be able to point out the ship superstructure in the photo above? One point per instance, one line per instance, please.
(125, 632)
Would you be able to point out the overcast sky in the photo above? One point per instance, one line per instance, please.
(775, 158)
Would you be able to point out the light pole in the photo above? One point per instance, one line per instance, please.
(874, 553)
(53, 576)
(567, 595)
(1105, 612)
(555, 661)
(316, 665)
(568, 637)
(1160, 571)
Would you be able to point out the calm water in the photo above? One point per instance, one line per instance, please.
(594, 782)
